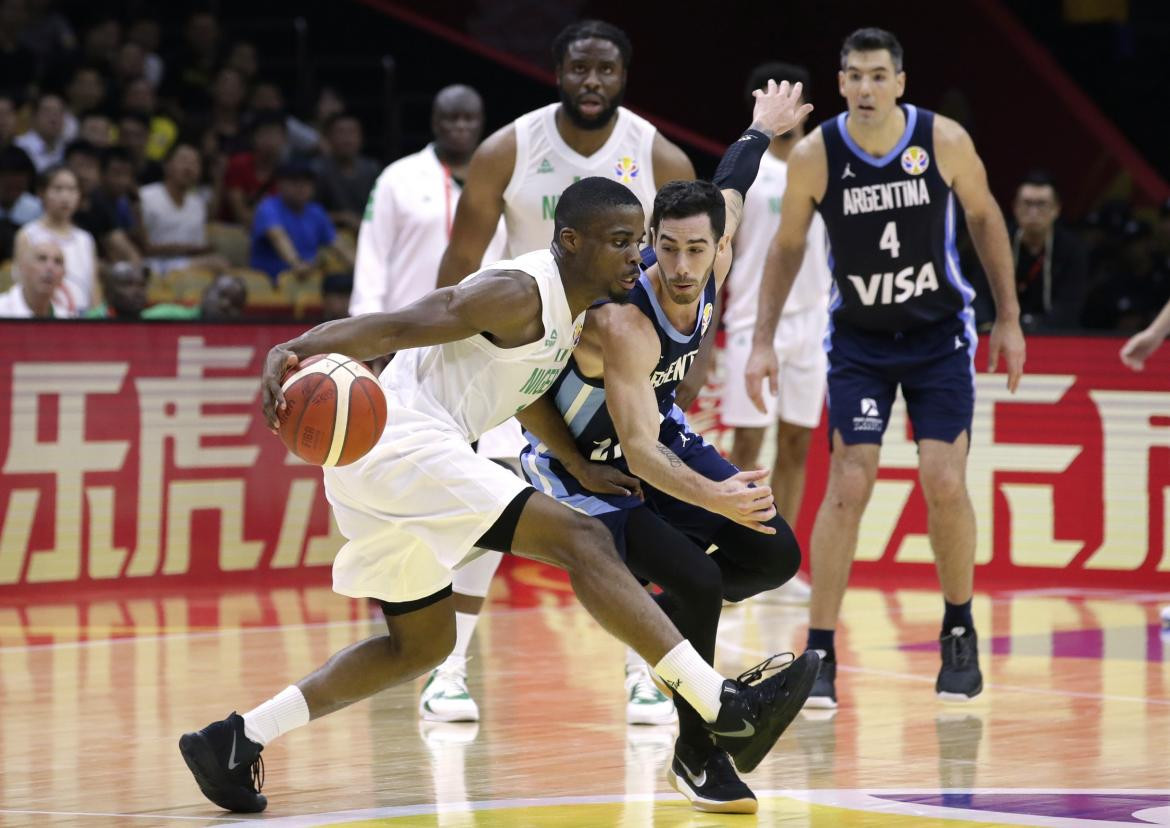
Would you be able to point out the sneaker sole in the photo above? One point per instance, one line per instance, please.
(454, 716)
(200, 758)
(747, 805)
(820, 703)
(754, 752)
(652, 721)
(943, 695)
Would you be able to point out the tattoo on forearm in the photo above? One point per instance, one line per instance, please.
(669, 456)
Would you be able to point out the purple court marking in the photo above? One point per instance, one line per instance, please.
(1148, 644)
(1109, 807)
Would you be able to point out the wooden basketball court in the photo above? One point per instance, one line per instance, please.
(1073, 728)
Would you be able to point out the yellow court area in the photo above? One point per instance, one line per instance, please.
(1073, 728)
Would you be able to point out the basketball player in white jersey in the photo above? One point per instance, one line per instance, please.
(798, 343)
(418, 503)
(518, 173)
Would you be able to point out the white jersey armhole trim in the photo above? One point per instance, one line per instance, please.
(520, 127)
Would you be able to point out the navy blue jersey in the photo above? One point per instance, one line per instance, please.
(891, 225)
(581, 399)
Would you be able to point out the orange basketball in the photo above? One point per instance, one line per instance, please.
(335, 412)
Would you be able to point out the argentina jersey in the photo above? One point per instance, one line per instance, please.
(581, 401)
(891, 228)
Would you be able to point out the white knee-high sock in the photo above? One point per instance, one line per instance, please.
(280, 714)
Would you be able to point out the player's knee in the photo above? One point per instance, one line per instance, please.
(783, 559)
(942, 486)
(699, 583)
(792, 445)
(850, 488)
(585, 541)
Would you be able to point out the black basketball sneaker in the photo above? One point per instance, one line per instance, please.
(708, 780)
(227, 765)
(959, 678)
(754, 713)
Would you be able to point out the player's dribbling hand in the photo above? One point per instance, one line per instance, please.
(1007, 338)
(761, 363)
(277, 364)
(747, 504)
(605, 479)
(778, 108)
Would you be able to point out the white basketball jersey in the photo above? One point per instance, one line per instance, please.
(473, 384)
(546, 165)
(761, 220)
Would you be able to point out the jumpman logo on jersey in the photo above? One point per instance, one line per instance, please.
(686, 438)
(848, 173)
(959, 343)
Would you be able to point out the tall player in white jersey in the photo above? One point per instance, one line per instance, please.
(418, 503)
(519, 172)
(798, 343)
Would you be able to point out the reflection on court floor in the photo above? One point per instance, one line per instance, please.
(1073, 728)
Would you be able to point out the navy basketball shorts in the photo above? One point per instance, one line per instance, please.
(549, 476)
(935, 366)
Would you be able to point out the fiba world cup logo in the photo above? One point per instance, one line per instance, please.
(626, 169)
(915, 160)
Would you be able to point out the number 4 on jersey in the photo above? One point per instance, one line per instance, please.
(889, 240)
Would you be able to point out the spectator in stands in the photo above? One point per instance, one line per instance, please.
(1051, 261)
(329, 103)
(345, 176)
(193, 66)
(17, 62)
(243, 57)
(138, 95)
(38, 290)
(224, 299)
(146, 33)
(96, 127)
(60, 194)
(18, 205)
(45, 141)
(100, 42)
(267, 98)
(118, 190)
(86, 91)
(250, 176)
(125, 290)
(291, 230)
(134, 135)
(48, 33)
(174, 216)
(336, 291)
(8, 118)
(129, 64)
(96, 216)
(227, 109)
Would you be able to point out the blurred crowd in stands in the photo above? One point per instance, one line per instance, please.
(144, 176)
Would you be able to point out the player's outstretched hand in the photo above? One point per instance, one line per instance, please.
(605, 479)
(1008, 338)
(1140, 347)
(778, 108)
(277, 364)
(761, 364)
(747, 504)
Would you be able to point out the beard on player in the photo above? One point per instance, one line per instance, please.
(571, 107)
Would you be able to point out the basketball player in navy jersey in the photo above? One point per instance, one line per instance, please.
(614, 405)
(884, 176)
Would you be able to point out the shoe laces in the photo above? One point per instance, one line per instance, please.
(258, 773)
(754, 674)
(642, 687)
(960, 652)
(719, 769)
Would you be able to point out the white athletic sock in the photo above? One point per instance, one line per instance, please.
(685, 671)
(633, 660)
(464, 628)
(280, 714)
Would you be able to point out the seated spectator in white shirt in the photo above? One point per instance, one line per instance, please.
(174, 215)
(45, 142)
(290, 229)
(61, 195)
(17, 205)
(39, 290)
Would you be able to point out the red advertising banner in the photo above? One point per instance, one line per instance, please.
(134, 455)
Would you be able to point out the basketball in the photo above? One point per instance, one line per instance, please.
(335, 410)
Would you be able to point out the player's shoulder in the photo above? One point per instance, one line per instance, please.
(623, 321)
(948, 132)
(514, 290)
